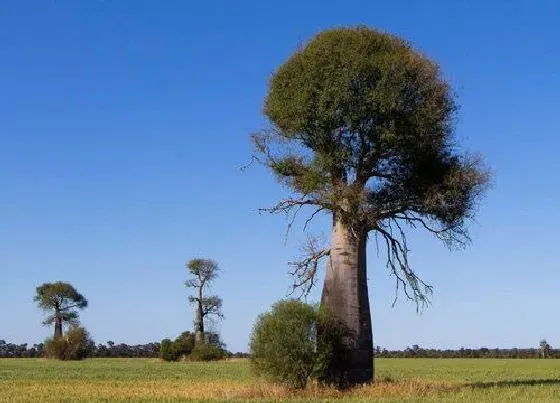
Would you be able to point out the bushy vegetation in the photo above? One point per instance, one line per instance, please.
(184, 347)
(180, 347)
(75, 345)
(283, 343)
(152, 350)
(123, 350)
(295, 341)
(207, 352)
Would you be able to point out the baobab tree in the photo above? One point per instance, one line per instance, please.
(62, 301)
(544, 348)
(203, 272)
(362, 127)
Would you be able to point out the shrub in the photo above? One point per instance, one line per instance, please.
(180, 347)
(207, 352)
(283, 343)
(75, 345)
(332, 352)
(167, 351)
(54, 348)
(296, 341)
(184, 344)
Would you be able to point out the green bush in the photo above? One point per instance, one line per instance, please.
(182, 346)
(283, 343)
(296, 341)
(75, 345)
(54, 348)
(167, 351)
(207, 352)
(332, 352)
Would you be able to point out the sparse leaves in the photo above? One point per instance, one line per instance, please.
(203, 272)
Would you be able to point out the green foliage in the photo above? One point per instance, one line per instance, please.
(296, 341)
(167, 351)
(55, 348)
(75, 345)
(401, 380)
(184, 344)
(174, 350)
(332, 355)
(207, 352)
(283, 343)
(62, 299)
(204, 270)
(357, 104)
(362, 125)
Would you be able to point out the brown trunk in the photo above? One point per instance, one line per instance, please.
(345, 297)
(57, 327)
(199, 321)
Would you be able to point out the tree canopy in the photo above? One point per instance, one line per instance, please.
(62, 300)
(362, 125)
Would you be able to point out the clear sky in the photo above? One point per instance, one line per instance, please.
(124, 124)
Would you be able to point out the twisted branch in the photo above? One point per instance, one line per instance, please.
(304, 271)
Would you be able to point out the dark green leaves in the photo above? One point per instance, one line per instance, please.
(363, 124)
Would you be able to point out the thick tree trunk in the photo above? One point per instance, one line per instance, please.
(57, 327)
(199, 323)
(345, 297)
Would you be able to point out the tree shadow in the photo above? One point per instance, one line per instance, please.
(516, 382)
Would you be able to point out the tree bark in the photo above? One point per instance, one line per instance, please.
(345, 297)
(57, 327)
(199, 321)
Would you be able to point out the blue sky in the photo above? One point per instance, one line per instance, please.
(124, 124)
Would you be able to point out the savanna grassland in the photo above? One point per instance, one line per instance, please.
(410, 380)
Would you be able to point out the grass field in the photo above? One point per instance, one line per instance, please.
(408, 380)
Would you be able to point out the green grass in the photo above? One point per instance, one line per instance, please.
(408, 380)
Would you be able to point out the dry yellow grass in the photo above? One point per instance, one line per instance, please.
(214, 390)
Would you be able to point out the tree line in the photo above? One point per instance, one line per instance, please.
(152, 350)
(415, 351)
(110, 349)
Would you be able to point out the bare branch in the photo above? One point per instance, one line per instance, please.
(312, 216)
(304, 271)
(413, 287)
(285, 206)
(452, 235)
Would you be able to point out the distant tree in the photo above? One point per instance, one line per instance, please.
(544, 348)
(203, 272)
(362, 127)
(62, 301)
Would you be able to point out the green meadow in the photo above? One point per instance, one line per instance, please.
(398, 380)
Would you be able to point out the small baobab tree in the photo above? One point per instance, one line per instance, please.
(203, 272)
(62, 301)
(544, 348)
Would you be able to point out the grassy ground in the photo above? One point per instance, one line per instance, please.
(399, 380)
